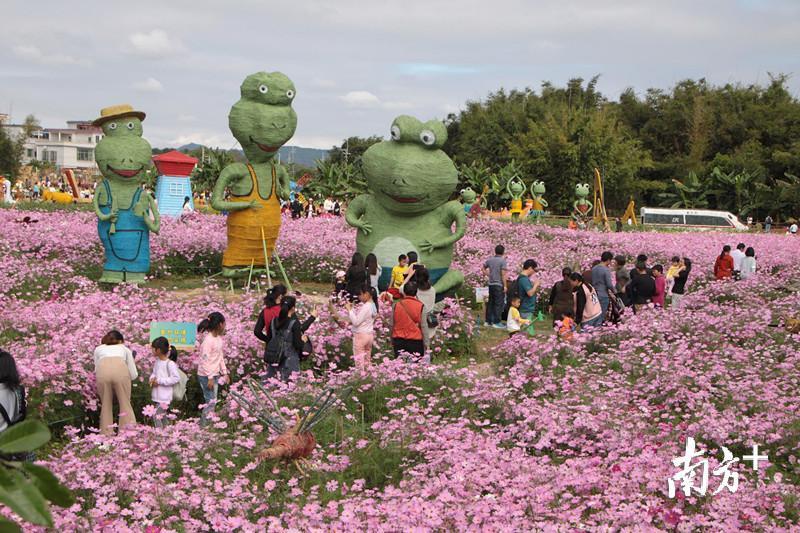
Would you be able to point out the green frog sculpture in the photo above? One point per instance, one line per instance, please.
(582, 206)
(410, 180)
(516, 188)
(468, 197)
(126, 213)
(262, 121)
(539, 203)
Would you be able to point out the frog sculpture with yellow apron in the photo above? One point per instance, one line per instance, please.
(262, 121)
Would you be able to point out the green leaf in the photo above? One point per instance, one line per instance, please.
(24, 437)
(22, 497)
(49, 485)
(7, 526)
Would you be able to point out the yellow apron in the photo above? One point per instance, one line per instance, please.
(244, 227)
(516, 206)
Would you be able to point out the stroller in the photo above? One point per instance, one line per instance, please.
(616, 308)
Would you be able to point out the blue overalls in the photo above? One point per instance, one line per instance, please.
(128, 249)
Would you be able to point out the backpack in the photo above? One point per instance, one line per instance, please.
(179, 389)
(276, 347)
(22, 408)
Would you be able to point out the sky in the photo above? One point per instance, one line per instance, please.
(358, 64)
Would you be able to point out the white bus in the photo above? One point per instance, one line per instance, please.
(691, 218)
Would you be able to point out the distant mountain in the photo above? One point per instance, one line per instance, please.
(306, 157)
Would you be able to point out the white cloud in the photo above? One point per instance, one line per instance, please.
(363, 99)
(150, 85)
(156, 43)
(323, 83)
(367, 100)
(33, 53)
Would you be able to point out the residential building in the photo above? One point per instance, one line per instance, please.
(66, 148)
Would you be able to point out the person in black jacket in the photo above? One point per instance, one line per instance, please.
(561, 299)
(642, 285)
(288, 325)
(679, 285)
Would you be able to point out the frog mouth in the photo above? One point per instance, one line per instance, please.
(265, 147)
(405, 199)
(125, 173)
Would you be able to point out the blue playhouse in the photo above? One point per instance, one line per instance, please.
(174, 183)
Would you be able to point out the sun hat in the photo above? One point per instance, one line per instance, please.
(117, 111)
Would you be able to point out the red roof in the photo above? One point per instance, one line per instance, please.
(174, 163)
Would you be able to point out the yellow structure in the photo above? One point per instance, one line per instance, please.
(246, 227)
(57, 197)
(630, 213)
(600, 215)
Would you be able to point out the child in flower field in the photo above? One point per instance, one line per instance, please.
(211, 370)
(672, 273)
(515, 321)
(567, 327)
(661, 284)
(163, 378)
(399, 272)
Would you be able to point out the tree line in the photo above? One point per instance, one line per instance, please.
(733, 147)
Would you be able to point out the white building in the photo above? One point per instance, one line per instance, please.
(70, 147)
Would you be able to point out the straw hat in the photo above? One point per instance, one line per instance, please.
(117, 111)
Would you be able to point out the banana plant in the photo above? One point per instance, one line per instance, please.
(690, 193)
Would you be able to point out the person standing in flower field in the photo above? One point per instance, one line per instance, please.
(643, 286)
(602, 282)
(407, 334)
(659, 295)
(163, 378)
(679, 286)
(561, 298)
(768, 224)
(496, 269)
(362, 320)
(672, 271)
(427, 295)
(588, 312)
(515, 321)
(115, 369)
(211, 370)
(723, 266)
(527, 289)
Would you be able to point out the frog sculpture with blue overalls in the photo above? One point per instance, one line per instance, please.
(126, 213)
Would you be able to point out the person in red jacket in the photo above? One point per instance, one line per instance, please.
(407, 323)
(723, 266)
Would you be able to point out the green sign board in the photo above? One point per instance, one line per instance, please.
(179, 334)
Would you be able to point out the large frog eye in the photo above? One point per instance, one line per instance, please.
(427, 137)
(395, 132)
(263, 89)
(129, 125)
(290, 94)
(112, 126)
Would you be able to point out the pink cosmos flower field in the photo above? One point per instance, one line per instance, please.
(521, 434)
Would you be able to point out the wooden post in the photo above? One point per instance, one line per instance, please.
(283, 272)
(266, 257)
(250, 275)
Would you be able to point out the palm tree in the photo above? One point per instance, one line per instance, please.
(690, 193)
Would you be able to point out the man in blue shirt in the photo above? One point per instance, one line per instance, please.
(602, 283)
(527, 289)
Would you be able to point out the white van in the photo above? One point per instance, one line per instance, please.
(691, 218)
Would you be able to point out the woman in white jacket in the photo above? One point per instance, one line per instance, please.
(115, 369)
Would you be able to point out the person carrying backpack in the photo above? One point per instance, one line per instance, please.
(407, 324)
(13, 404)
(286, 340)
